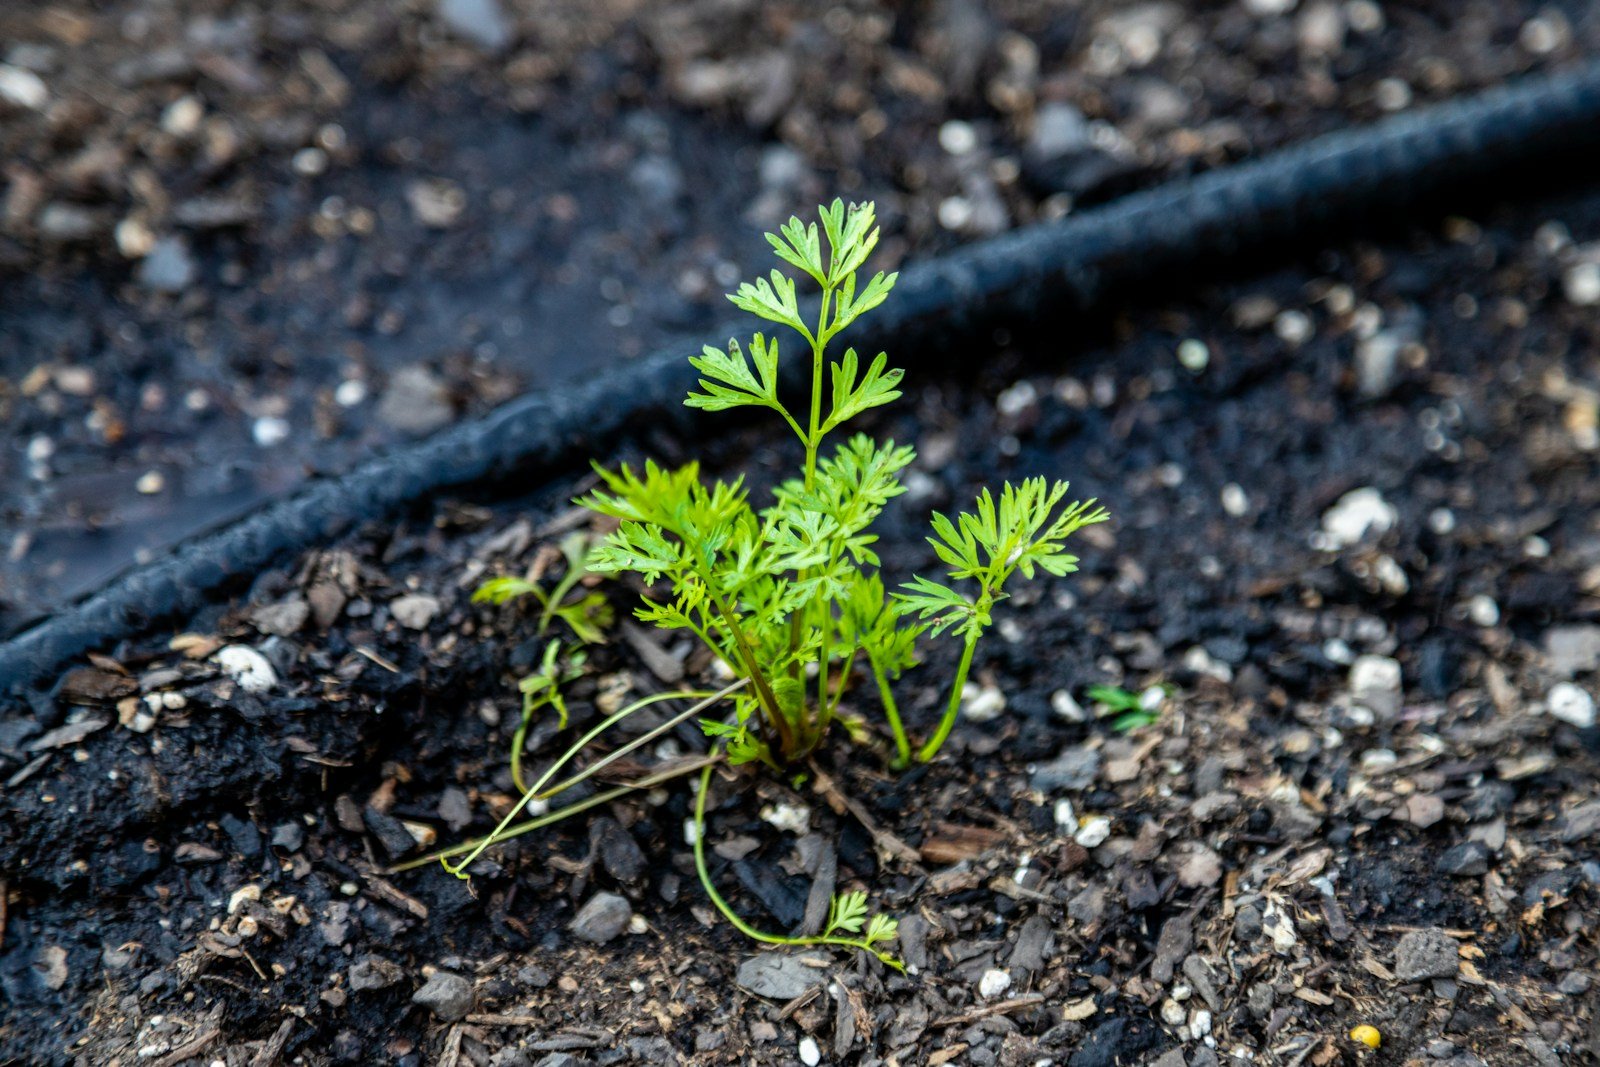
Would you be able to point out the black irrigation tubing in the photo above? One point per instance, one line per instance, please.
(1335, 182)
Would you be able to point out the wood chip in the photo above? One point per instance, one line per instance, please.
(392, 896)
(268, 1054)
(1003, 1007)
(63, 736)
(887, 843)
(189, 1049)
(952, 843)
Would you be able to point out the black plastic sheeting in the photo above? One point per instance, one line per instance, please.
(1338, 182)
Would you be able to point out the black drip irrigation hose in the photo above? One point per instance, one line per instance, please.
(1339, 181)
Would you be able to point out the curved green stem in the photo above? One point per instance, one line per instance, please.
(497, 834)
(891, 711)
(946, 724)
(555, 816)
(727, 911)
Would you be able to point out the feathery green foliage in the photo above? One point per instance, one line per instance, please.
(787, 594)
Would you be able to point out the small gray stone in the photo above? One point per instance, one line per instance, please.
(168, 268)
(1572, 649)
(776, 975)
(1199, 867)
(602, 918)
(1427, 953)
(449, 996)
(1035, 945)
(1466, 859)
(282, 619)
(1215, 805)
(1058, 129)
(1581, 822)
(414, 611)
(1074, 769)
(288, 836)
(66, 222)
(455, 808)
(415, 402)
(480, 21)
(50, 964)
(374, 972)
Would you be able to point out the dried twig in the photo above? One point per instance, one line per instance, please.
(268, 1054)
(189, 1049)
(1001, 1008)
(840, 802)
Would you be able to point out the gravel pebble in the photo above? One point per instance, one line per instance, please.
(776, 976)
(1571, 704)
(1427, 953)
(448, 996)
(602, 918)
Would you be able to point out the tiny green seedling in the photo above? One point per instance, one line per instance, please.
(788, 596)
(1128, 710)
(587, 615)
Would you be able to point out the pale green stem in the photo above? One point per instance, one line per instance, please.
(891, 711)
(727, 911)
(556, 816)
(946, 724)
(533, 794)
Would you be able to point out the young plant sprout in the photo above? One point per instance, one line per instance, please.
(788, 596)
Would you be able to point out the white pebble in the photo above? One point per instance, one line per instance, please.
(957, 137)
(1582, 284)
(1198, 660)
(1392, 94)
(1234, 499)
(955, 212)
(1017, 399)
(982, 703)
(1364, 16)
(269, 430)
(795, 818)
(810, 1054)
(250, 893)
(1292, 327)
(350, 392)
(1065, 705)
(1093, 832)
(1194, 355)
(993, 983)
(1066, 816)
(1358, 514)
(1375, 674)
(247, 667)
(1483, 611)
(1571, 705)
(1391, 576)
(23, 87)
(150, 483)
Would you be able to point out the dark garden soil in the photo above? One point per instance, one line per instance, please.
(1355, 530)
(241, 242)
